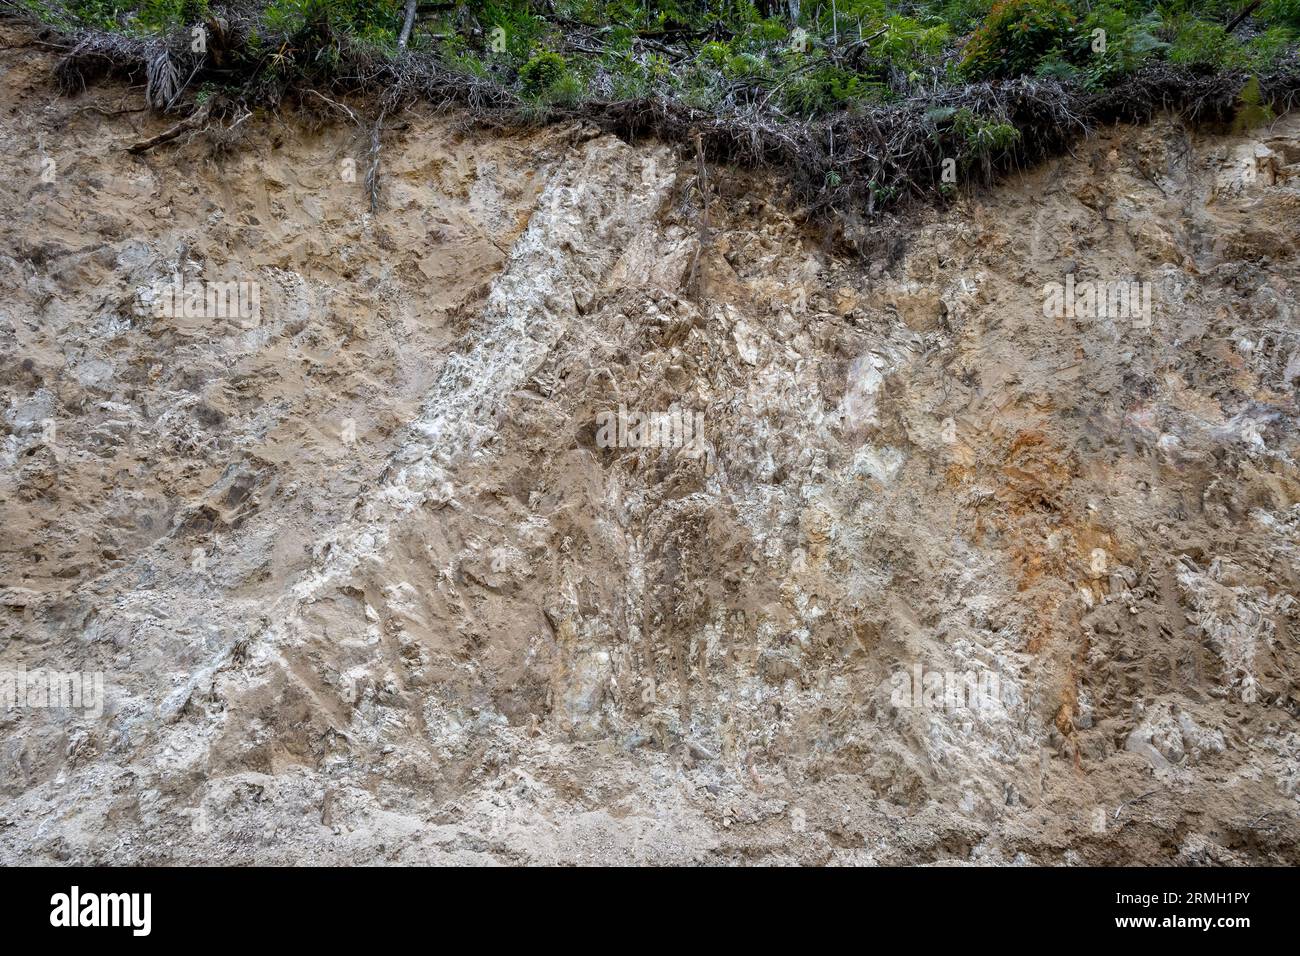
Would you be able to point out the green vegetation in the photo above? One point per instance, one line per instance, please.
(150, 16)
(863, 103)
(542, 72)
(743, 54)
(1016, 36)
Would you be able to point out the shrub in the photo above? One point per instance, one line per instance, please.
(1283, 13)
(910, 44)
(981, 141)
(980, 136)
(322, 23)
(542, 73)
(828, 88)
(1129, 41)
(149, 16)
(745, 66)
(159, 15)
(568, 89)
(1207, 44)
(768, 31)
(715, 54)
(962, 15)
(456, 53)
(1015, 36)
(1269, 47)
(522, 31)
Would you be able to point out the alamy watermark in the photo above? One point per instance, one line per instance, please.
(75, 908)
(674, 428)
(1117, 299)
(46, 689)
(178, 299)
(983, 691)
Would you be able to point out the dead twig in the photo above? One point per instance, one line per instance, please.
(1254, 824)
(1128, 803)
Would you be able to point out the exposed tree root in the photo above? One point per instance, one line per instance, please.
(190, 123)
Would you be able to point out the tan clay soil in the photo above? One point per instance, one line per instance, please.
(365, 587)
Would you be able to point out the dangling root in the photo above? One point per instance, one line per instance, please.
(162, 82)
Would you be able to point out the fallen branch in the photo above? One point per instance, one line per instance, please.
(1240, 18)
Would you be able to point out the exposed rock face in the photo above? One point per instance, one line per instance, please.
(986, 554)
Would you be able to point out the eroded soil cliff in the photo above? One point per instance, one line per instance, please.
(365, 584)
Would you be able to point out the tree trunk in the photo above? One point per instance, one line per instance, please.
(406, 26)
